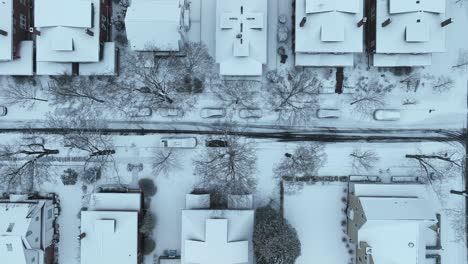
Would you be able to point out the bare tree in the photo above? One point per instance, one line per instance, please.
(306, 160)
(438, 167)
(294, 96)
(82, 131)
(443, 84)
(165, 161)
(228, 170)
(368, 96)
(25, 164)
(195, 66)
(461, 64)
(239, 93)
(152, 81)
(24, 94)
(458, 220)
(363, 160)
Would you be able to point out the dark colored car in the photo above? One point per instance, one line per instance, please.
(217, 144)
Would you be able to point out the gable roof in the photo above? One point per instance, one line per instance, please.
(6, 24)
(154, 25)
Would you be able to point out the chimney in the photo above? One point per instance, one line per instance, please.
(3, 33)
(446, 22)
(362, 22)
(387, 22)
(34, 31)
(89, 32)
(303, 21)
(81, 236)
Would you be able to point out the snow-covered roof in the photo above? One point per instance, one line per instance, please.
(111, 237)
(241, 37)
(6, 24)
(63, 35)
(154, 25)
(53, 68)
(414, 29)
(206, 233)
(397, 216)
(330, 29)
(197, 201)
(115, 201)
(106, 66)
(22, 65)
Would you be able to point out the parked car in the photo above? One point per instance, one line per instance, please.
(213, 112)
(387, 115)
(217, 143)
(171, 112)
(141, 112)
(3, 110)
(187, 142)
(328, 113)
(250, 113)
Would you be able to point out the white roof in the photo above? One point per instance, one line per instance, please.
(388, 208)
(206, 233)
(20, 66)
(241, 38)
(330, 28)
(111, 237)
(197, 201)
(419, 24)
(53, 68)
(63, 36)
(154, 25)
(115, 201)
(391, 190)
(106, 66)
(6, 24)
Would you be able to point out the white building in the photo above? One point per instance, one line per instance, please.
(26, 230)
(70, 33)
(389, 222)
(109, 230)
(328, 32)
(406, 33)
(156, 25)
(241, 37)
(216, 236)
(16, 52)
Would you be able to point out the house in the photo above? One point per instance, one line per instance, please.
(241, 37)
(76, 35)
(212, 236)
(109, 229)
(27, 230)
(405, 33)
(156, 25)
(16, 46)
(328, 32)
(389, 222)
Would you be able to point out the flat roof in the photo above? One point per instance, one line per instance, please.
(154, 25)
(389, 208)
(63, 37)
(6, 24)
(220, 227)
(241, 37)
(111, 237)
(115, 201)
(106, 66)
(53, 68)
(23, 66)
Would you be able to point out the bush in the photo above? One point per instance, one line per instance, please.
(147, 224)
(121, 40)
(147, 187)
(91, 175)
(69, 177)
(148, 245)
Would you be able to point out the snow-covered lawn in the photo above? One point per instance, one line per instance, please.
(316, 212)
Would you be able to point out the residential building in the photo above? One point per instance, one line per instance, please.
(241, 37)
(405, 33)
(16, 47)
(213, 236)
(389, 223)
(156, 25)
(109, 229)
(27, 230)
(71, 34)
(328, 32)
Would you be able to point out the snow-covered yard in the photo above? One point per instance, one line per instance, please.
(316, 211)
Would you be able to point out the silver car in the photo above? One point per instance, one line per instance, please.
(387, 115)
(250, 113)
(213, 112)
(171, 112)
(328, 113)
